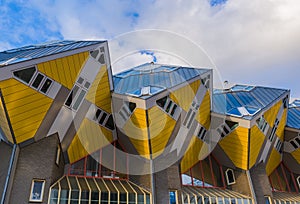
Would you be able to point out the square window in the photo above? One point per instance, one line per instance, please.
(37, 190)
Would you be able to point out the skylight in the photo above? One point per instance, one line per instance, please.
(243, 111)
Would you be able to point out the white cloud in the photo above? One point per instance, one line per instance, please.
(255, 42)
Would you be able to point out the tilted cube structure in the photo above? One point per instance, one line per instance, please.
(72, 132)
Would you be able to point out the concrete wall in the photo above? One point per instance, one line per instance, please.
(241, 183)
(36, 160)
(261, 184)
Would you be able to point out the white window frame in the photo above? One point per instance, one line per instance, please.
(31, 79)
(298, 181)
(227, 179)
(58, 151)
(36, 73)
(31, 199)
(81, 88)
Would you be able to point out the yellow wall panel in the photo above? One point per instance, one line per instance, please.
(256, 141)
(89, 138)
(161, 127)
(138, 118)
(296, 155)
(137, 131)
(270, 115)
(203, 116)
(76, 150)
(273, 161)
(4, 123)
(281, 125)
(26, 108)
(185, 95)
(191, 157)
(235, 146)
(99, 93)
(64, 70)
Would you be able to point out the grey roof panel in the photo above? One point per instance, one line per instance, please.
(153, 75)
(293, 117)
(36, 51)
(243, 100)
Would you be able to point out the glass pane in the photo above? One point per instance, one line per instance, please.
(233, 201)
(110, 123)
(46, 85)
(140, 199)
(192, 199)
(113, 198)
(25, 74)
(206, 200)
(172, 197)
(131, 198)
(226, 200)
(36, 193)
(72, 96)
(147, 199)
(104, 198)
(37, 81)
(77, 168)
(220, 200)
(74, 195)
(79, 99)
(123, 198)
(54, 193)
(185, 199)
(213, 200)
(186, 179)
(199, 199)
(92, 166)
(64, 196)
(102, 118)
(95, 197)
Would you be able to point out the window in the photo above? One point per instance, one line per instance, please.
(25, 74)
(232, 125)
(202, 133)
(126, 110)
(168, 105)
(294, 144)
(298, 181)
(173, 197)
(46, 85)
(37, 81)
(297, 140)
(278, 145)
(104, 119)
(110, 123)
(230, 176)
(77, 93)
(37, 190)
(271, 136)
(268, 200)
(161, 102)
(205, 81)
(285, 102)
(262, 124)
(226, 128)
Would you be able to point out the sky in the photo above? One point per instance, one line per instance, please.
(246, 42)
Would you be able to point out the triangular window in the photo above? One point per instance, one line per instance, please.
(25, 74)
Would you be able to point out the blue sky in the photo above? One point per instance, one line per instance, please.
(250, 42)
